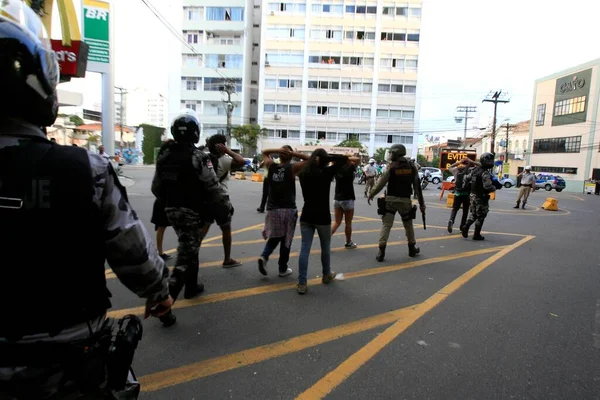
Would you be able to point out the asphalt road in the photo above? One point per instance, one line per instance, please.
(514, 317)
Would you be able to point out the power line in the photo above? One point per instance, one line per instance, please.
(495, 97)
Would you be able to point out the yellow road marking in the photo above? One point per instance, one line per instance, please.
(217, 365)
(213, 238)
(336, 377)
(236, 294)
(109, 274)
(517, 212)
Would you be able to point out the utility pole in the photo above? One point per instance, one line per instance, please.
(495, 97)
(122, 92)
(228, 89)
(467, 110)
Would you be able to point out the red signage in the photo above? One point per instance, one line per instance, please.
(72, 59)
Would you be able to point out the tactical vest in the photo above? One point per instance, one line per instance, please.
(477, 182)
(180, 185)
(52, 239)
(402, 176)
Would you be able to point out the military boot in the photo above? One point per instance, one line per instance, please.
(518, 203)
(168, 319)
(477, 233)
(381, 255)
(413, 250)
(465, 229)
(523, 206)
(192, 287)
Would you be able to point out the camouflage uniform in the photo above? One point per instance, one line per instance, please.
(481, 187)
(188, 223)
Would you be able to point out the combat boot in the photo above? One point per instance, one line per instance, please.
(168, 319)
(523, 206)
(518, 203)
(413, 250)
(477, 233)
(381, 255)
(192, 287)
(465, 229)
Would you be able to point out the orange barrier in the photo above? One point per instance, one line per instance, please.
(446, 186)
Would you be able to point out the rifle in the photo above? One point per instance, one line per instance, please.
(424, 222)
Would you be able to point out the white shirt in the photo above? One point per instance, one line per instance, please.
(225, 162)
(370, 170)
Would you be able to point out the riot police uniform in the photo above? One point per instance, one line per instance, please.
(54, 335)
(186, 183)
(481, 187)
(401, 178)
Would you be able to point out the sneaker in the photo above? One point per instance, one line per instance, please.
(329, 277)
(350, 245)
(450, 223)
(165, 256)
(232, 264)
(262, 265)
(302, 289)
(286, 272)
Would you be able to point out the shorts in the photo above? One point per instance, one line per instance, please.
(345, 205)
(159, 217)
(224, 222)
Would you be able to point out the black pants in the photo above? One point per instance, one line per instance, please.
(265, 194)
(459, 201)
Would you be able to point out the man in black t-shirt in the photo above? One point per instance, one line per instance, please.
(282, 214)
(343, 204)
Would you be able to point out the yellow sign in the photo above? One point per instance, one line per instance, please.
(68, 19)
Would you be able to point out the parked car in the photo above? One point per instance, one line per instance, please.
(508, 182)
(549, 182)
(436, 174)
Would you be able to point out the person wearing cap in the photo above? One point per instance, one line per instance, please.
(527, 186)
(370, 174)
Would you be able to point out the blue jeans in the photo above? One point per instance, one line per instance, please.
(308, 232)
(284, 252)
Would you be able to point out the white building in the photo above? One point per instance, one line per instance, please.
(218, 48)
(337, 70)
(143, 106)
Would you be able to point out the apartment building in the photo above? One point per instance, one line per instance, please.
(144, 106)
(564, 129)
(218, 48)
(335, 70)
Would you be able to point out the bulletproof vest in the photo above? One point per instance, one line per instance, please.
(477, 182)
(463, 181)
(180, 185)
(402, 175)
(52, 238)
(282, 187)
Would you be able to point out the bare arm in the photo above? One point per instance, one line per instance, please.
(238, 160)
(267, 160)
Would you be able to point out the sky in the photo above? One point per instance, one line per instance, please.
(468, 48)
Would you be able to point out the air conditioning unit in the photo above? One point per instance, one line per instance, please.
(266, 63)
(276, 117)
(272, 13)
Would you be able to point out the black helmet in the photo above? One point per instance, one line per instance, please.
(186, 128)
(397, 151)
(487, 160)
(29, 69)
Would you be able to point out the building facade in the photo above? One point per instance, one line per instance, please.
(217, 48)
(143, 106)
(514, 148)
(338, 70)
(563, 137)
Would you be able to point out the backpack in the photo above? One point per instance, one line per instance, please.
(463, 179)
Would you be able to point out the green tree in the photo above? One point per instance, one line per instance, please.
(435, 162)
(76, 119)
(247, 136)
(421, 159)
(362, 150)
(379, 154)
(152, 141)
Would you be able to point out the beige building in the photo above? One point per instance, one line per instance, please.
(332, 71)
(515, 147)
(563, 137)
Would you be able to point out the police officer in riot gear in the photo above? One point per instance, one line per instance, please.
(401, 178)
(481, 187)
(53, 341)
(186, 183)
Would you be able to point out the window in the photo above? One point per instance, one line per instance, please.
(218, 84)
(192, 36)
(285, 58)
(285, 33)
(415, 12)
(540, 115)
(193, 13)
(224, 13)
(570, 106)
(555, 170)
(413, 37)
(223, 60)
(269, 108)
(558, 145)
